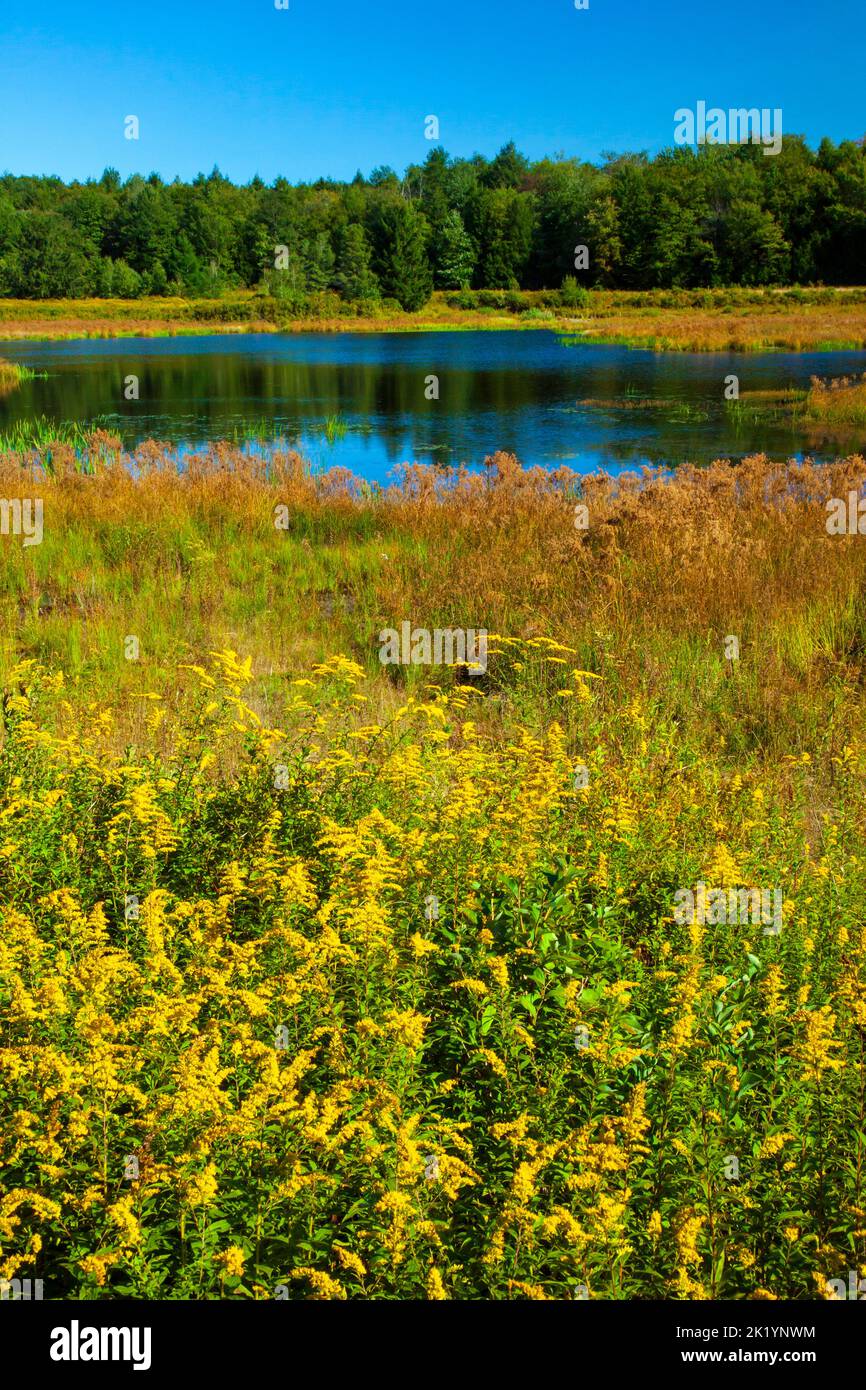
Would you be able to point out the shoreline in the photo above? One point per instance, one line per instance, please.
(660, 321)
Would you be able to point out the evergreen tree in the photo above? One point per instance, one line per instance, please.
(508, 169)
(51, 262)
(319, 260)
(454, 253)
(688, 217)
(402, 263)
(9, 225)
(353, 276)
(502, 225)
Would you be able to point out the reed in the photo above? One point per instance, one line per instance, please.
(12, 374)
(839, 401)
(670, 563)
(42, 435)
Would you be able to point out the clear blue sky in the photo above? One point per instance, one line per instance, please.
(330, 86)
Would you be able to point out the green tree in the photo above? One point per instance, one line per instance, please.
(508, 169)
(754, 248)
(502, 225)
(602, 239)
(353, 275)
(318, 258)
(715, 215)
(51, 263)
(126, 283)
(155, 280)
(401, 255)
(680, 254)
(563, 193)
(10, 270)
(635, 226)
(454, 254)
(89, 210)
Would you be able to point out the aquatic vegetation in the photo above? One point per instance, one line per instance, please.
(334, 428)
(12, 374)
(757, 406)
(259, 431)
(39, 433)
(325, 980)
(687, 413)
(839, 401)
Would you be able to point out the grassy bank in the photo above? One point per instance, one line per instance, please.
(673, 320)
(323, 978)
(12, 374)
(830, 409)
(840, 401)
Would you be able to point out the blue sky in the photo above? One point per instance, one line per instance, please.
(330, 86)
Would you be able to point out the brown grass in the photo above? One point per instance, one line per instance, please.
(699, 321)
(712, 330)
(840, 401)
(646, 596)
(10, 378)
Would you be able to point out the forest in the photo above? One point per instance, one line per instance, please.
(716, 216)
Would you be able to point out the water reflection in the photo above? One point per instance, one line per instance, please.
(360, 401)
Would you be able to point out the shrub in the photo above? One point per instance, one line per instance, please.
(572, 295)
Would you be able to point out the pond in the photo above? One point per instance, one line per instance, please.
(367, 402)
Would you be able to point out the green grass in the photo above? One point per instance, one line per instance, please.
(334, 428)
(42, 434)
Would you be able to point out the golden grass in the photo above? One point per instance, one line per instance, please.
(841, 401)
(676, 320)
(760, 329)
(667, 569)
(10, 377)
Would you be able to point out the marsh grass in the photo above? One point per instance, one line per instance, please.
(12, 374)
(42, 435)
(838, 401)
(748, 320)
(666, 561)
(688, 413)
(427, 1121)
(260, 431)
(334, 428)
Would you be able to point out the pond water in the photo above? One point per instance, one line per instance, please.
(361, 400)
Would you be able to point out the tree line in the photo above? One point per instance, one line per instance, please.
(686, 218)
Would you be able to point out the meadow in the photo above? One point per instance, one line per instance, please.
(327, 979)
(706, 320)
